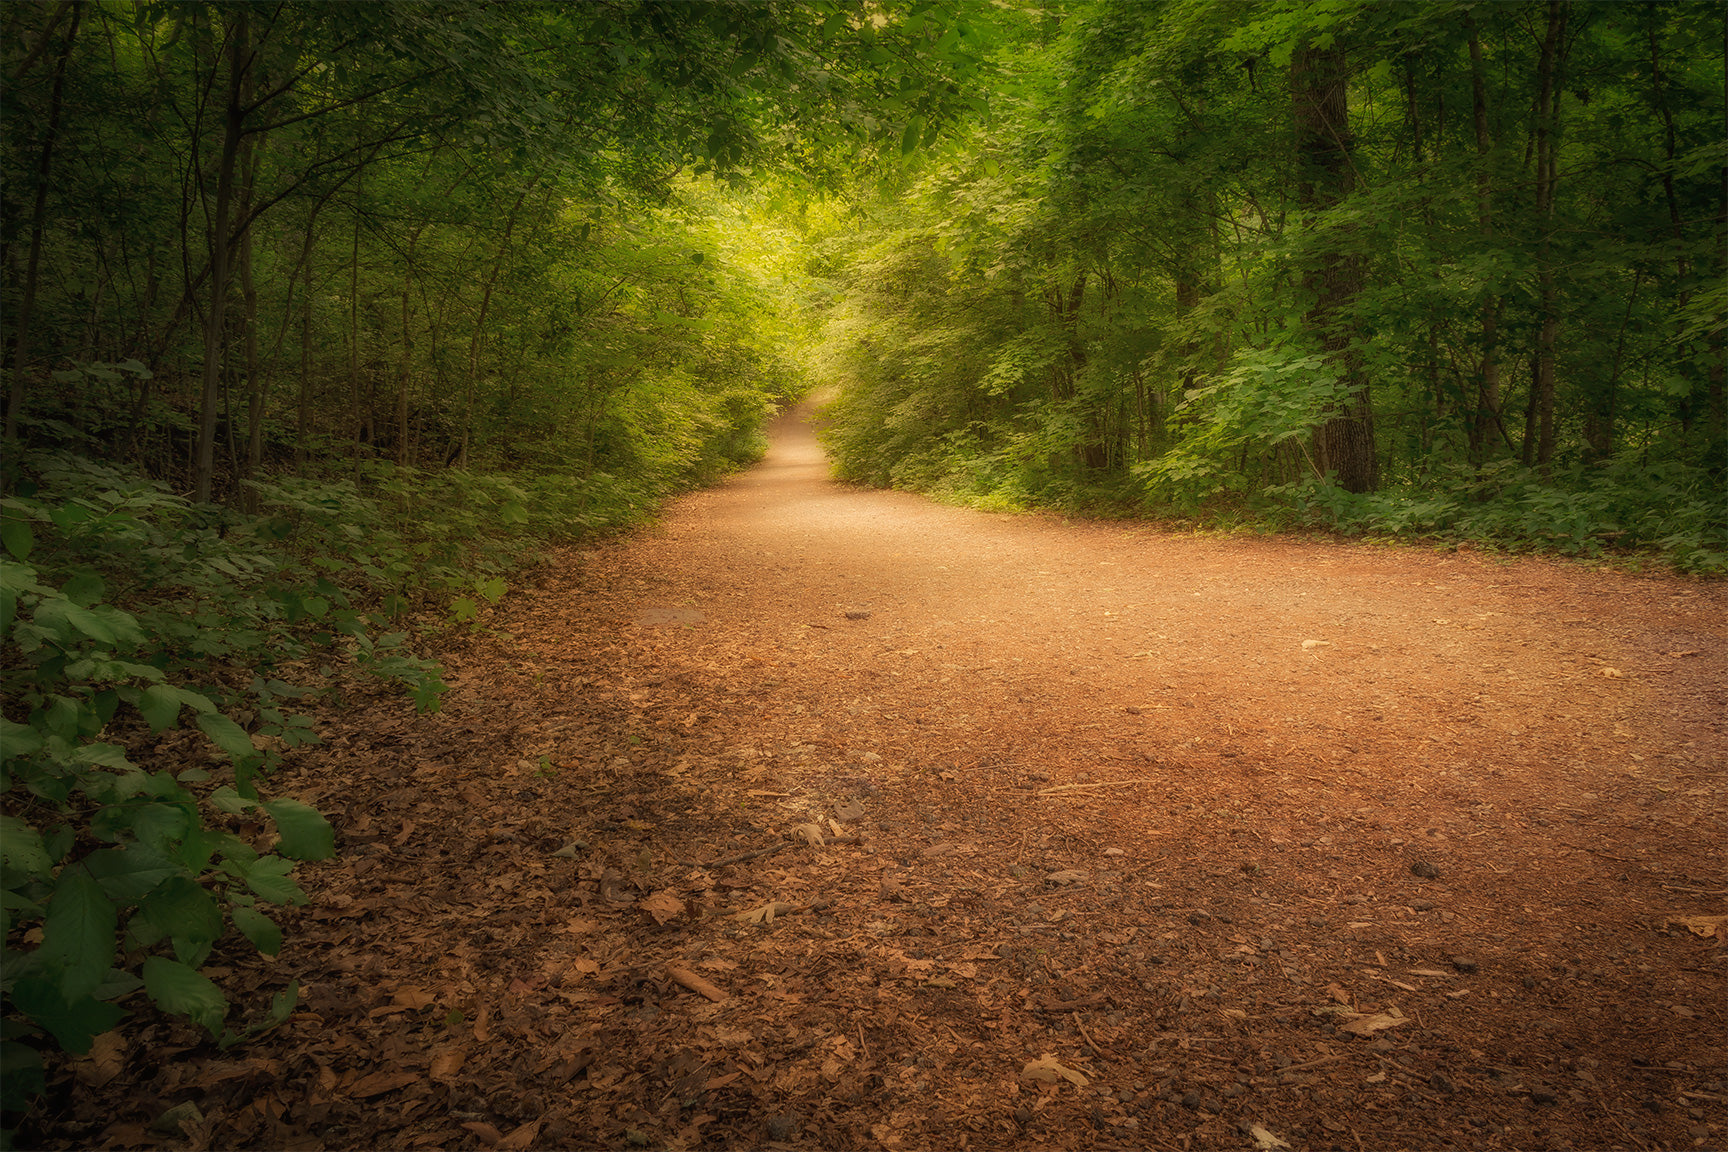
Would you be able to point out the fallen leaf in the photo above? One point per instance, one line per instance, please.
(105, 1060)
(1264, 1140)
(1611, 674)
(1317, 644)
(413, 998)
(811, 834)
(765, 914)
(1368, 1025)
(886, 1136)
(1705, 926)
(1066, 876)
(488, 1135)
(378, 1083)
(1046, 1070)
(663, 906)
(446, 1062)
(522, 1137)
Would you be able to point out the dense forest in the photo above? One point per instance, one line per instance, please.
(320, 319)
(1435, 268)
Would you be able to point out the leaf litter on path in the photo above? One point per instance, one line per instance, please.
(559, 916)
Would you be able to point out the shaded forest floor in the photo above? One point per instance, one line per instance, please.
(826, 818)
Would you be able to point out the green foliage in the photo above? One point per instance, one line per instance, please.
(1108, 295)
(117, 865)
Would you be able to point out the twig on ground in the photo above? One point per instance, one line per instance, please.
(1087, 1036)
(1101, 784)
(738, 859)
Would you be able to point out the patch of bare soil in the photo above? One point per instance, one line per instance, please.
(826, 818)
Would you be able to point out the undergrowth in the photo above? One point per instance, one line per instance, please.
(1661, 513)
(136, 625)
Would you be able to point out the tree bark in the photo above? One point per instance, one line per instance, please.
(1344, 444)
(233, 123)
(38, 221)
(479, 329)
(405, 375)
(255, 383)
(303, 405)
(1548, 76)
(1487, 414)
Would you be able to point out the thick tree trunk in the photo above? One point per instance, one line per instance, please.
(1344, 445)
(233, 120)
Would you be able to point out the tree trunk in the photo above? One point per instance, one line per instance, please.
(1487, 413)
(38, 221)
(405, 375)
(1343, 445)
(1548, 74)
(255, 383)
(1600, 401)
(1716, 450)
(303, 406)
(233, 121)
(480, 327)
(358, 428)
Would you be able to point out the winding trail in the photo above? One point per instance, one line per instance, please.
(816, 817)
(1214, 784)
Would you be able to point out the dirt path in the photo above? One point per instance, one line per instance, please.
(1338, 845)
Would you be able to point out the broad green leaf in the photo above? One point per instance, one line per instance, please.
(227, 800)
(117, 983)
(268, 877)
(104, 756)
(73, 1022)
(21, 847)
(21, 1075)
(258, 928)
(18, 539)
(84, 589)
(129, 874)
(181, 909)
(176, 988)
(914, 133)
(78, 934)
(18, 739)
(304, 834)
(492, 589)
(226, 735)
(160, 706)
